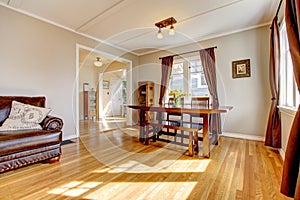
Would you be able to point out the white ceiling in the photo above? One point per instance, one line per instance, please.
(129, 24)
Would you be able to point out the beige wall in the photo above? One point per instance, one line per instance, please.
(250, 97)
(37, 58)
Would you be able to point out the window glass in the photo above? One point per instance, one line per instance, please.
(289, 95)
(198, 82)
(188, 76)
(176, 79)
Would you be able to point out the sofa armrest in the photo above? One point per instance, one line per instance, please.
(52, 123)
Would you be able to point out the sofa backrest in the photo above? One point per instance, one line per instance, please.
(5, 104)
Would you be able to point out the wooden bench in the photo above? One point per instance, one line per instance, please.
(193, 146)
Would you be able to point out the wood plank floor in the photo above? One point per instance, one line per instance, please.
(114, 165)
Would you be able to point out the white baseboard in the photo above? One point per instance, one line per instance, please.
(69, 137)
(243, 136)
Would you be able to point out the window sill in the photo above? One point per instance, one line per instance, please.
(288, 110)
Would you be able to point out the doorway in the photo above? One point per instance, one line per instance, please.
(113, 98)
(107, 82)
(116, 99)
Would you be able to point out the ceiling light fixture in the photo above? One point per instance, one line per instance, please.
(98, 62)
(172, 30)
(165, 23)
(159, 34)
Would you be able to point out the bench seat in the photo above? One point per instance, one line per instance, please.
(193, 146)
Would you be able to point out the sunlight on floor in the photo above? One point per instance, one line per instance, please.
(75, 188)
(100, 190)
(172, 166)
(117, 190)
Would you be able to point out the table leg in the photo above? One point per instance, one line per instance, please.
(142, 125)
(206, 151)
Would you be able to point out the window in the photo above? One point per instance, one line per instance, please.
(289, 96)
(188, 76)
(197, 77)
(176, 79)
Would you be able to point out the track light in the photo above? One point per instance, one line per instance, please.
(159, 34)
(172, 31)
(165, 23)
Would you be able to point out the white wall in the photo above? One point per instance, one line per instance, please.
(37, 58)
(249, 96)
(287, 117)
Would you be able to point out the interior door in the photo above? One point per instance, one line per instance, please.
(116, 96)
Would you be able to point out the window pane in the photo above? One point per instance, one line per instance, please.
(198, 82)
(188, 76)
(289, 82)
(176, 80)
(288, 90)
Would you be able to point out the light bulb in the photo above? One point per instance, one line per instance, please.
(159, 34)
(172, 30)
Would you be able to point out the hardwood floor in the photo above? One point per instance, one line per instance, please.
(114, 165)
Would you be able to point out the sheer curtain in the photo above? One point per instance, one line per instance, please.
(290, 185)
(166, 69)
(207, 57)
(273, 134)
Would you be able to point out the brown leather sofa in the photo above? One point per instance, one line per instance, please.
(23, 147)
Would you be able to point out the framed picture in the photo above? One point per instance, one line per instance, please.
(241, 68)
(105, 84)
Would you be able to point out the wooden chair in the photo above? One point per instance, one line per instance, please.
(201, 101)
(176, 119)
(173, 119)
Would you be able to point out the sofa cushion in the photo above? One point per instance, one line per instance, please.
(6, 101)
(5, 106)
(24, 116)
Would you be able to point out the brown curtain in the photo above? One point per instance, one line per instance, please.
(207, 57)
(166, 69)
(273, 134)
(290, 185)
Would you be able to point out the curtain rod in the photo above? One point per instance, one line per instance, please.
(186, 52)
(278, 7)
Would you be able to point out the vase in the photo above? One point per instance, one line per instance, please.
(177, 102)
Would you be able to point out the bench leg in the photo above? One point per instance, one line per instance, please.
(196, 142)
(154, 134)
(191, 148)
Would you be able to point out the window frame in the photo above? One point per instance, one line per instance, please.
(187, 75)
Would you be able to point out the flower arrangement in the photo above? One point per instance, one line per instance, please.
(177, 94)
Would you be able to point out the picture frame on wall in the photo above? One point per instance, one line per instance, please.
(241, 68)
(105, 84)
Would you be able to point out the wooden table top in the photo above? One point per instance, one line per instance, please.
(188, 109)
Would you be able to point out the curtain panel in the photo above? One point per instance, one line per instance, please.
(273, 133)
(207, 57)
(290, 184)
(166, 69)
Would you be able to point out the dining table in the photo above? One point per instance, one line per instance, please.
(204, 111)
